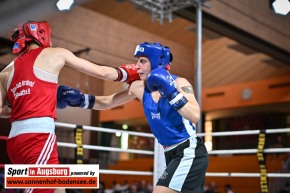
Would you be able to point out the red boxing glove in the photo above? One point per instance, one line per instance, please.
(127, 73)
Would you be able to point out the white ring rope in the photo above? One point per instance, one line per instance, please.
(103, 148)
(247, 132)
(215, 134)
(228, 174)
(213, 152)
(210, 174)
(213, 174)
(248, 151)
(107, 130)
(229, 133)
(125, 172)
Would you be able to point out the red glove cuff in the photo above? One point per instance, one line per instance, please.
(122, 75)
(127, 73)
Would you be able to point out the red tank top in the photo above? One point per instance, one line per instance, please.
(29, 96)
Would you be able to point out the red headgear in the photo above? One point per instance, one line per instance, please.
(38, 32)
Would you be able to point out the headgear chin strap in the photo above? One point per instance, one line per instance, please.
(158, 55)
(38, 32)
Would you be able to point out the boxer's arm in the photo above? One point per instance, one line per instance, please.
(67, 96)
(191, 110)
(114, 100)
(85, 66)
(128, 73)
(135, 90)
(160, 80)
(5, 111)
(123, 74)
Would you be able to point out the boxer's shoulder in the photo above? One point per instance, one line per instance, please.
(137, 88)
(6, 73)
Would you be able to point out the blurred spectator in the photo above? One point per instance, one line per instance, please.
(278, 143)
(142, 187)
(205, 188)
(116, 187)
(134, 187)
(211, 188)
(101, 189)
(285, 189)
(73, 190)
(286, 163)
(228, 188)
(126, 187)
(149, 187)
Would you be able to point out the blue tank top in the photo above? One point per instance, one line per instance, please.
(167, 125)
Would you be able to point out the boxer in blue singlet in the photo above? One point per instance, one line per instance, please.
(171, 111)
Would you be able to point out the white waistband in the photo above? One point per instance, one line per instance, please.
(32, 125)
(168, 148)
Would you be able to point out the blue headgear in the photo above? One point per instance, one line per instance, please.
(158, 55)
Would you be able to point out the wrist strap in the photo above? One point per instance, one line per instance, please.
(178, 101)
(122, 75)
(119, 74)
(178, 97)
(88, 101)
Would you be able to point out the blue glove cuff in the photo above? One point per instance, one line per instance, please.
(87, 101)
(177, 100)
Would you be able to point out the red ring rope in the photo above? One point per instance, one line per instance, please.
(3, 137)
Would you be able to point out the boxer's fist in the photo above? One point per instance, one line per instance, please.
(160, 80)
(127, 73)
(61, 103)
(74, 97)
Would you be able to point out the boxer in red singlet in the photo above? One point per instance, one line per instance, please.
(29, 86)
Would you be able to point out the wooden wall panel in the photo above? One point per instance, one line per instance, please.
(262, 92)
(112, 42)
(254, 17)
(224, 66)
(128, 12)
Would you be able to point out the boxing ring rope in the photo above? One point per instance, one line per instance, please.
(247, 132)
(249, 151)
(146, 152)
(213, 152)
(103, 148)
(90, 128)
(238, 174)
(125, 172)
(214, 134)
(3, 137)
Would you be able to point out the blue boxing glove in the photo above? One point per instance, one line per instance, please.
(61, 103)
(74, 98)
(160, 80)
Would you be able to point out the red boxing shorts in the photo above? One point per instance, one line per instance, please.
(33, 148)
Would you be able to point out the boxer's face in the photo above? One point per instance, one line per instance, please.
(144, 67)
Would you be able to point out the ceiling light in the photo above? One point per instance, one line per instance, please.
(125, 126)
(64, 5)
(281, 6)
(118, 134)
